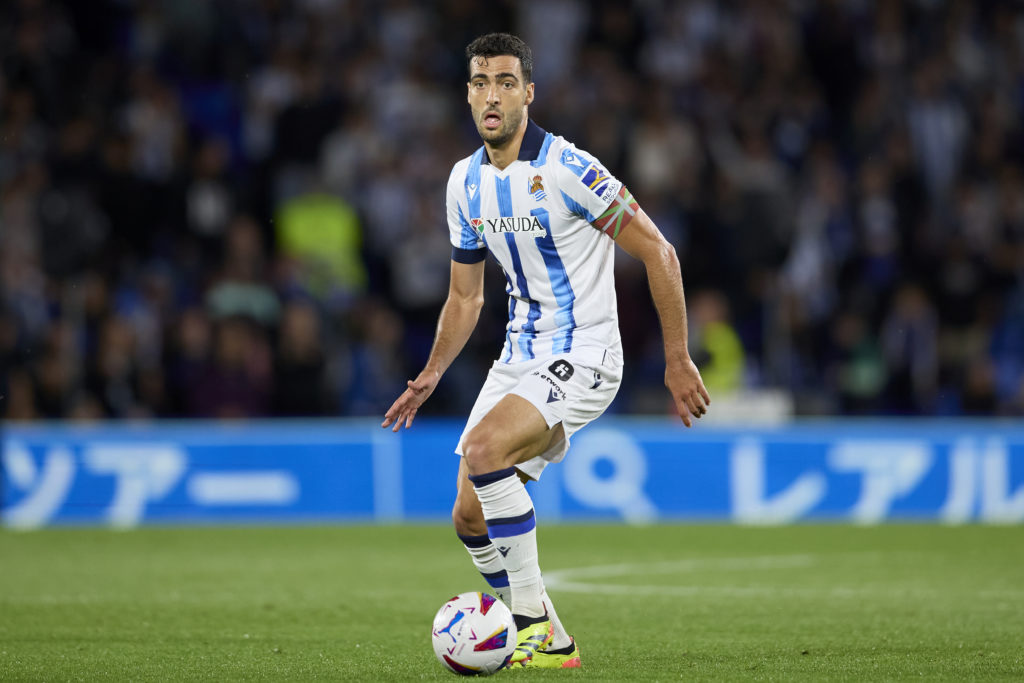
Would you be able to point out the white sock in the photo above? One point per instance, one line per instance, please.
(488, 562)
(512, 527)
(561, 638)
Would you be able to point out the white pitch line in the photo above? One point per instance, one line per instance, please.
(688, 565)
(575, 580)
(569, 580)
(835, 592)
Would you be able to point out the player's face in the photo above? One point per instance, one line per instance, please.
(498, 97)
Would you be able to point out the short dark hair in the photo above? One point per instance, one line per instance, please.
(498, 44)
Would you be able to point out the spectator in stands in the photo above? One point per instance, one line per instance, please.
(168, 178)
(236, 381)
(301, 373)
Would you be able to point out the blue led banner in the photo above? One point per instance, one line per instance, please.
(618, 469)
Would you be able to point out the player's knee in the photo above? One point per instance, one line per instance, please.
(482, 453)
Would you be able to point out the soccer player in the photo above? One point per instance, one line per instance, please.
(550, 214)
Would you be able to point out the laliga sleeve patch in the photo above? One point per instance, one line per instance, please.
(597, 180)
(562, 369)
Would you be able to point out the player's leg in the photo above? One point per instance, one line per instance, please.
(469, 524)
(510, 433)
(467, 516)
(468, 519)
(472, 531)
(588, 402)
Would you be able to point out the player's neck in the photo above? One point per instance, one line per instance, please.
(501, 157)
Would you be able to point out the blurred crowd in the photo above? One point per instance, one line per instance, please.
(235, 208)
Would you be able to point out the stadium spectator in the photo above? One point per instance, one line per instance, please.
(301, 372)
(236, 380)
(805, 159)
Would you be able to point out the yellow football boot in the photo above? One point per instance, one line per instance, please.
(531, 639)
(563, 658)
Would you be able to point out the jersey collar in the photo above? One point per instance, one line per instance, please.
(529, 149)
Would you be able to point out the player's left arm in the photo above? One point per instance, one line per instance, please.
(637, 234)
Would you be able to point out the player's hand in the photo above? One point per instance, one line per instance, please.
(687, 388)
(405, 407)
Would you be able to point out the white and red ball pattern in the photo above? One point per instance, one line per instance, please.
(474, 634)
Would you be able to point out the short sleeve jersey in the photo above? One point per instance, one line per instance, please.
(549, 219)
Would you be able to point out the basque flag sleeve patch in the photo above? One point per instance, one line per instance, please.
(618, 214)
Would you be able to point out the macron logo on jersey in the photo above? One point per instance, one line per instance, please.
(574, 161)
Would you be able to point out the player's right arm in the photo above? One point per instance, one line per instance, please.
(457, 322)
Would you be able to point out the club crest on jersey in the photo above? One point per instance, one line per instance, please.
(477, 223)
(537, 188)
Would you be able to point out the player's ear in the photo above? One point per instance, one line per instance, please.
(529, 94)
(469, 92)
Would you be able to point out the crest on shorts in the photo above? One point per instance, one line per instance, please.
(537, 187)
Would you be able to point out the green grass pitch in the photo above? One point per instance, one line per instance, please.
(654, 603)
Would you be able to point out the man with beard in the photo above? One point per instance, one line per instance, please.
(550, 214)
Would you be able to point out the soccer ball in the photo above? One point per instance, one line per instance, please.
(474, 634)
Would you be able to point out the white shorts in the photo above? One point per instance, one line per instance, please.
(563, 389)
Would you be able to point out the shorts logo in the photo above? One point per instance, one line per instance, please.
(537, 188)
(555, 391)
(561, 369)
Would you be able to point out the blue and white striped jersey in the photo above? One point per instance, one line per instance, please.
(546, 220)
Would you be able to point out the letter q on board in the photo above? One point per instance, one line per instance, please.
(623, 489)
